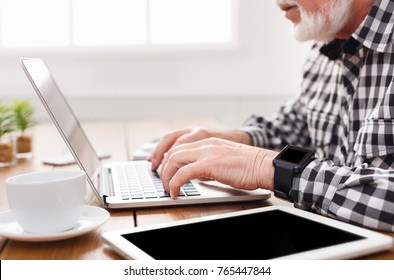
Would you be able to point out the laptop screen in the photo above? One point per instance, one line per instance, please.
(62, 115)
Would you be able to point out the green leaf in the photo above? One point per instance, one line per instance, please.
(6, 119)
(23, 113)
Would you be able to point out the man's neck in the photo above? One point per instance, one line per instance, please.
(359, 10)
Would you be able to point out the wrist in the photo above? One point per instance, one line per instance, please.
(266, 170)
(290, 162)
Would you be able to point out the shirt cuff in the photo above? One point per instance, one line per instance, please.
(311, 191)
(257, 137)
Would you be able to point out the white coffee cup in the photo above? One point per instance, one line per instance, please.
(47, 201)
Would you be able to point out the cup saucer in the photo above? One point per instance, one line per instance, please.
(91, 218)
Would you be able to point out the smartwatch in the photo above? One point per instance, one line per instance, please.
(290, 161)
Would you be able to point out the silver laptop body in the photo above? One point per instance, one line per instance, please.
(106, 179)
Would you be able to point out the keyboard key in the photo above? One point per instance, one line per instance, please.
(194, 193)
(163, 194)
(151, 195)
(140, 182)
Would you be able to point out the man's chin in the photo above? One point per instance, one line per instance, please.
(302, 35)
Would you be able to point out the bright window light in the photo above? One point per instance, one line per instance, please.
(38, 23)
(62, 23)
(109, 22)
(191, 21)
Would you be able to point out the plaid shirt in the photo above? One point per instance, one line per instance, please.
(345, 111)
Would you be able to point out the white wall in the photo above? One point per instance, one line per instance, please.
(256, 76)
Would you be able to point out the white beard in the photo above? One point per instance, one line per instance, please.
(323, 25)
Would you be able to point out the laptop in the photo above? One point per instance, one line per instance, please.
(129, 184)
(296, 234)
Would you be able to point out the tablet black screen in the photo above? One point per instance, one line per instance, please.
(263, 235)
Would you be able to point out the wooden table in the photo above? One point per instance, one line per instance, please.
(120, 138)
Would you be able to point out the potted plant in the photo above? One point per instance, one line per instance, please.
(7, 145)
(23, 117)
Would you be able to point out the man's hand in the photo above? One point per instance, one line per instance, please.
(189, 135)
(238, 165)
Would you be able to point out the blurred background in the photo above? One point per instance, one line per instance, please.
(149, 59)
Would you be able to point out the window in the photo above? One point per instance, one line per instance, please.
(60, 23)
(33, 23)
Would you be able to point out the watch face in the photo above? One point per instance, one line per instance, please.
(293, 156)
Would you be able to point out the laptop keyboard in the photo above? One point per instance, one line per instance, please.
(140, 182)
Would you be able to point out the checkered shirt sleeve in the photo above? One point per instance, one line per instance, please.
(286, 127)
(345, 112)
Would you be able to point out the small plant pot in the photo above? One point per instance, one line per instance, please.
(24, 146)
(7, 153)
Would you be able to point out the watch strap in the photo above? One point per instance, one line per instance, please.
(291, 160)
(283, 180)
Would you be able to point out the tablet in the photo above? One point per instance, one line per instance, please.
(274, 232)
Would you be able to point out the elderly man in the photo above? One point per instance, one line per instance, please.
(344, 114)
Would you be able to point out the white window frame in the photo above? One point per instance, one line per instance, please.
(134, 50)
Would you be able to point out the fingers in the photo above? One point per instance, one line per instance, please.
(192, 136)
(172, 163)
(192, 148)
(231, 163)
(188, 154)
(184, 174)
(184, 166)
(188, 161)
(175, 139)
(164, 145)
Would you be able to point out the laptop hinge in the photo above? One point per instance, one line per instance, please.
(105, 200)
(106, 186)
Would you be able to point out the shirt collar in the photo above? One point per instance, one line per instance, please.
(376, 31)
